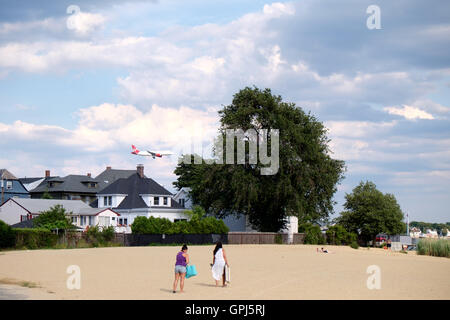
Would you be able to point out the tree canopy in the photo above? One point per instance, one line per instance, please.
(370, 212)
(304, 183)
(54, 218)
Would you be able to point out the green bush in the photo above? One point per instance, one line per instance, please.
(7, 236)
(196, 225)
(338, 235)
(354, 245)
(35, 238)
(96, 236)
(434, 247)
(313, 235)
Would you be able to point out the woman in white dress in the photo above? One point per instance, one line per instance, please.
(218, 265)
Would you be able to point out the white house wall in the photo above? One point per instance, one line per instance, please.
(10, 212)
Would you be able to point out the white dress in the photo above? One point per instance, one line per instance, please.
(219, 265)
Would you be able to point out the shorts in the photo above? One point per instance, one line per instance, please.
(180, 269)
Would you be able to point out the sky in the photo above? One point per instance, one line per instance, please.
(80, 81)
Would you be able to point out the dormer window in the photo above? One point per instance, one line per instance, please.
(182, 202)
(165, 201)
(156, 201)
(107, 201)
(9, 185)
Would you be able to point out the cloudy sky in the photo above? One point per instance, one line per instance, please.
(80, 81)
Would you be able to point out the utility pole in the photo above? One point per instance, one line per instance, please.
(407, 224)
(3, 197)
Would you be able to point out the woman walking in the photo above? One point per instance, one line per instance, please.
(182, 260)
(219, 262)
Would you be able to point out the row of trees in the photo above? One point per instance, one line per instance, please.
(439, 227)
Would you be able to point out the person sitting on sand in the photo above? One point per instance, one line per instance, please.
(182, 260)
(219, 262)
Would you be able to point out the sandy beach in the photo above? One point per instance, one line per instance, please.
(258, 272)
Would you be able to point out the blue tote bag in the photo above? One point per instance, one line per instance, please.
(190, 271)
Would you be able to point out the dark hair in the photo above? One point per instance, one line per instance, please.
(218, 246)
(184, 247)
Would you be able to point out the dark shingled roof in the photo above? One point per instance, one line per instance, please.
(24, 224)
(29, 180)
(70, 183)
(133, 187)
(135, 184)
(107, 177)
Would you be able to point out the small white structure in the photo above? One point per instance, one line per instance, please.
(291, 228)
(16, 210)
(415, 233)
(431, 234)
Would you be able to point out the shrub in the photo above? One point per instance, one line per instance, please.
(354, 245)
(313, 235)
(35, 238)
(197, 225)
(108, 234)
(7, 236)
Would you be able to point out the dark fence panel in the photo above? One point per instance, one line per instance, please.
(146, 239)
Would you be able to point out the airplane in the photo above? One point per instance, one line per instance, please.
(149, 153)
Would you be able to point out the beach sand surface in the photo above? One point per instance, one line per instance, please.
(257, 271)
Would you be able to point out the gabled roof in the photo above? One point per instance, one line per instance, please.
(109, 176)
(70, 183)
(35, 206)
(6, 175)
(135, 184)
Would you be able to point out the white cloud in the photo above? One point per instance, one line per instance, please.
(410, 113)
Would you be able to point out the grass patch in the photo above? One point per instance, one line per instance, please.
(434, 247)
(26, 284)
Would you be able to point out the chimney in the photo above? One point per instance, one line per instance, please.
(47, 173)
(89, 175)
(140, 170)
(108, 168)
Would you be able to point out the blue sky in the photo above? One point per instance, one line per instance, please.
(76, 89)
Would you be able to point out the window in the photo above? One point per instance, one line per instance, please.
(182, 202)
(165, 201)
(110, 201)
(176, 220)
(123, 221)
(156, 201)
(74, 220)
(91, 220)
(8, 185)
(103, 221)
(105, 201)
(82, 220)
(113, 218)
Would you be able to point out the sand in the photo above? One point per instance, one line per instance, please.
(258, 272)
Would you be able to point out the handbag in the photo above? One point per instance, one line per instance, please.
(190, 271)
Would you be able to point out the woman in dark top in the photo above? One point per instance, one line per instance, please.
(182, 260)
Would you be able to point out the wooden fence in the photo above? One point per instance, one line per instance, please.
(263, 238)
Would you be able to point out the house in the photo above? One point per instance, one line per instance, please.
(233, 222)
(31, 183)
(11, 187)
(71, 187)
(431, 234)
(17, 210)
(415, 232)
(110, 175)
(138, 195)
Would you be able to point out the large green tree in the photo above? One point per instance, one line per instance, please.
(369, 212)
(303, 185)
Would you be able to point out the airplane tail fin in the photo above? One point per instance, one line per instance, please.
(135, 150)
